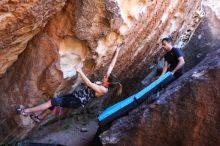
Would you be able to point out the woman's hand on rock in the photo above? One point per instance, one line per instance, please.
(78, 69)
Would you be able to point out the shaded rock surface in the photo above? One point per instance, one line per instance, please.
(186, 113)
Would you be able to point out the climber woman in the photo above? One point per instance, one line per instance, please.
(79, 97)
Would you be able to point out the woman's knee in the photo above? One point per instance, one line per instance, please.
(48, 103)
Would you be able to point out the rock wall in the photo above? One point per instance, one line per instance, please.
(20, 21)
(205, 39)
(31, 76)
(186, 112)
(42, 41)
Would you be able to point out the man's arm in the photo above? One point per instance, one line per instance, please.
(179, 65)
(165, 67)
(112, 64)
(181, 61)
(95, 87)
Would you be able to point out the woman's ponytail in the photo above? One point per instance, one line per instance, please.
(118, 88)
(116, 85)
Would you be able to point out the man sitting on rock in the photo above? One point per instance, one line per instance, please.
(173, 59)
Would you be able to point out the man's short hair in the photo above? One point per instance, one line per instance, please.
(168, 39)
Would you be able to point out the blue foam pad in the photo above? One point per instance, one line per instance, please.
(114, 108)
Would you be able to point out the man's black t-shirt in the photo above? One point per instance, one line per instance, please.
(172, 58)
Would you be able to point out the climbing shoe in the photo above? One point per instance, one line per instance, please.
(35, 118)
(20, 110)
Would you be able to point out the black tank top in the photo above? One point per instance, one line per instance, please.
(84, 94)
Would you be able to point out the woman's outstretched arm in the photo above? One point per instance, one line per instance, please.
(112, 64)
(97, 88)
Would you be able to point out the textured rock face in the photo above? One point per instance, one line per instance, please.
(30, 78)
(141, 43)
(206, 37)
(186, 113)
(91, 20)
(36, 72)
(20, 21)
(86, 32)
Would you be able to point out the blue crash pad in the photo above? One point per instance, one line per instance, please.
(131, 99)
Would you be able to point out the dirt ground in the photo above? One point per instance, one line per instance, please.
(72, 131)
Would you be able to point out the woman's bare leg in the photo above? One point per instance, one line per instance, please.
(39, 108)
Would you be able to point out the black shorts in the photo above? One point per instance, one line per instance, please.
(68, 101)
